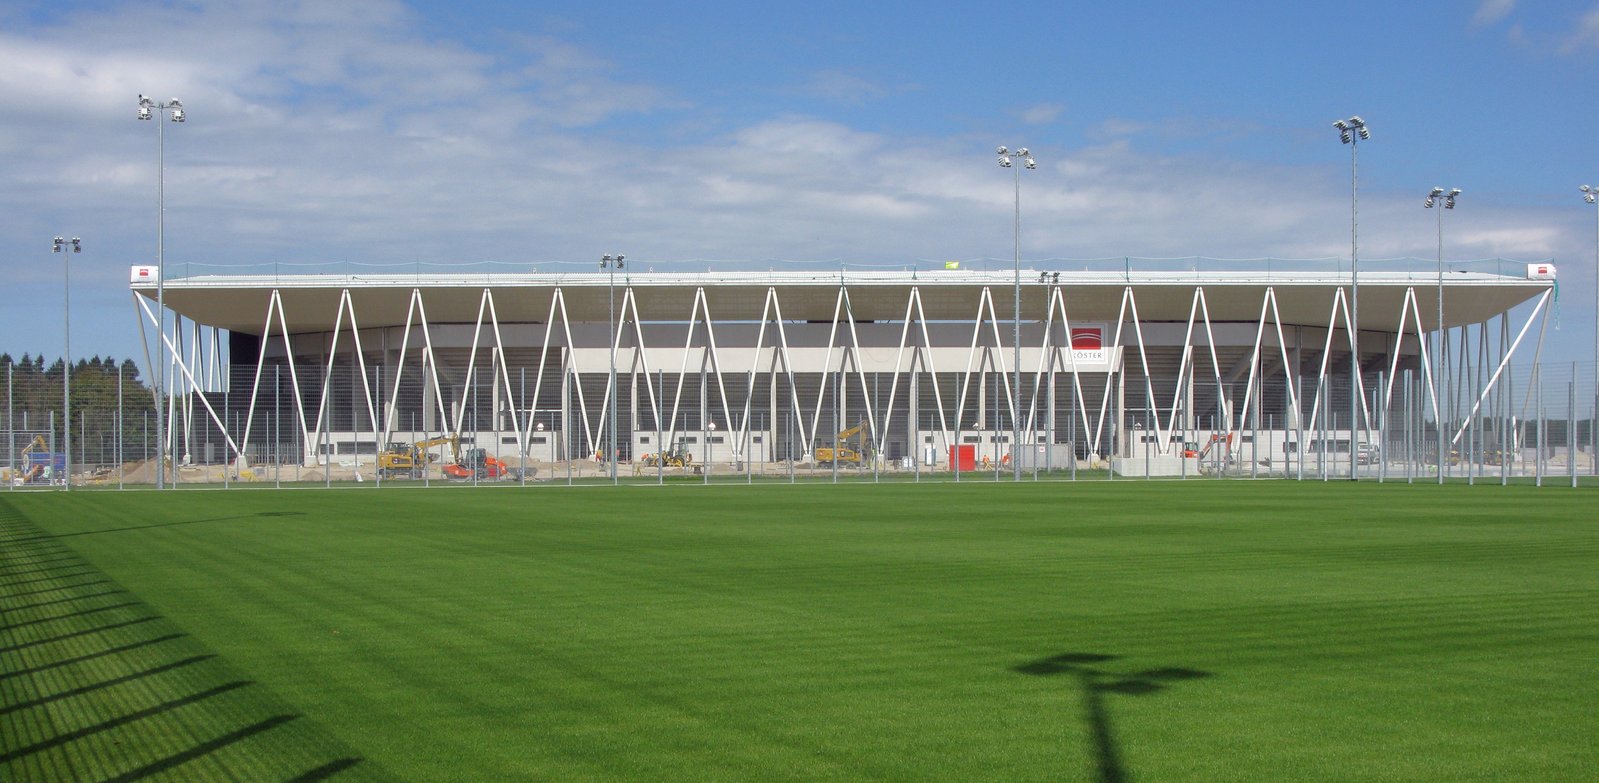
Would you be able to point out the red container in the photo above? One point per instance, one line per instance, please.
(963, 457)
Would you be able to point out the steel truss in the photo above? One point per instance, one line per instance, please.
(196, 372)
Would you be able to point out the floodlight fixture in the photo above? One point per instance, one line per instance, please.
(1348, 129)
(1003, 150)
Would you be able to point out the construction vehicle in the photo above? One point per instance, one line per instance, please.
(678, 457)
(476, 463)
(402, 460)
(39, 465)
(842, 451)
(1217, 454)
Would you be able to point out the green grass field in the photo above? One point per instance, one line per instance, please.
(1203, 631)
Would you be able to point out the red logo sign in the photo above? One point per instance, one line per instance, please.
(1087, 338)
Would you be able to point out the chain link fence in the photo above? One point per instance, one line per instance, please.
(536, 424)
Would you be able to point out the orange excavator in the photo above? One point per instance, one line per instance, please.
(476, 463)
(1221, 444)
(1223, 441)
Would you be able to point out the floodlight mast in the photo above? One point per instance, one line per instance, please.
(61, 246)
(1008, 159)
(1591, 195)
(147, 110)
(612, 263)
(1352, 131)
(1440, 373)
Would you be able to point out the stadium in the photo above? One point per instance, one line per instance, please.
(816, 565)
(1145, 368)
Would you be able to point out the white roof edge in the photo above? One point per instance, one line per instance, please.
(1029, 277)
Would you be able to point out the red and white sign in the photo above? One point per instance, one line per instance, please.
(1540, 271)
(1088, 347)
(1088, 338)
(144, 274)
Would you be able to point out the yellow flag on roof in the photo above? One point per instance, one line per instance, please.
(952, 265)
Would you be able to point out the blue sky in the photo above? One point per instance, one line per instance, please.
(377, 131)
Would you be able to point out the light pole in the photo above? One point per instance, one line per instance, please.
(147, 109)
(1591, 195)
(611, 264)
(1440, 374)
(1008, 159)
(60, 246)
(1352, 131)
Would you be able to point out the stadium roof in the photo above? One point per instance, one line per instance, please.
(311, 301)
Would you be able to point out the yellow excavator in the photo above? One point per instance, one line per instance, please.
(410, 460)
(32, 471)
(679, 457)
(848, 446)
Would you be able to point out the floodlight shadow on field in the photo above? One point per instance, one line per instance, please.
(1093, 683)
(181, 523)
(94, 684)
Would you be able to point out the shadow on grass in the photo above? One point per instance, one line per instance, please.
(1095, 682)
(57, 536)
(99, 686)
(68, 600)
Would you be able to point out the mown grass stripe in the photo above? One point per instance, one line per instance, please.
(860, 631)
(95, 684)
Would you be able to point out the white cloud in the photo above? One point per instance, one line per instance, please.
(342, 132)
(844, 87)
(1585, 37)
(1042, 114)
(1491, 11)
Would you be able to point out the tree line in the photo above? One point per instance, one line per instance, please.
(33, 393)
